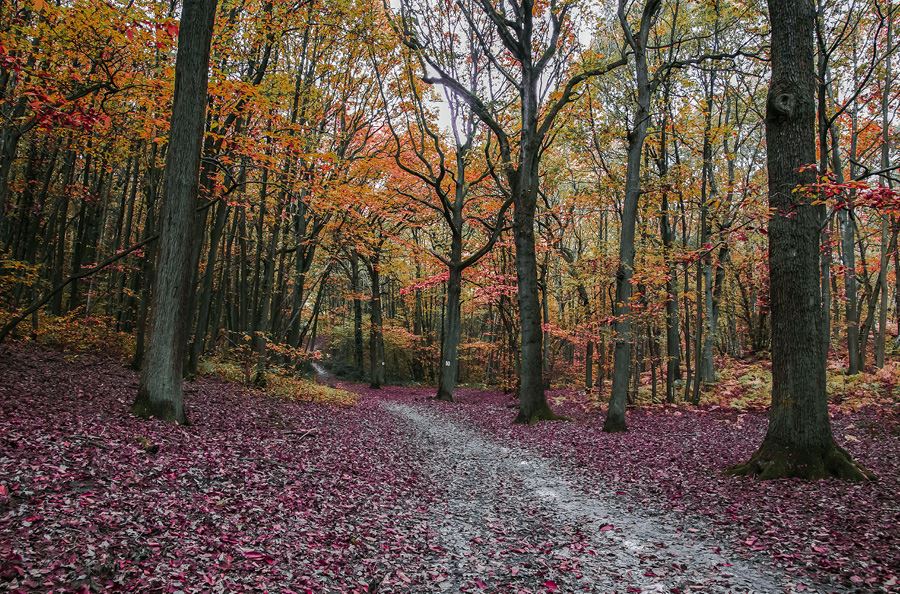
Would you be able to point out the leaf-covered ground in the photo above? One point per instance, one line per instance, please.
(672, 458)
(397, 494)
(242, 500)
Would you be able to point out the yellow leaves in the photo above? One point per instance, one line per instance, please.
(280, 383)
(17, 272)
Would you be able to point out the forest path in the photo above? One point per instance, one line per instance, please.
(512, 519)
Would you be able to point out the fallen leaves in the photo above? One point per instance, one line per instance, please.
(265, 494)
(246, 498)
(672, 458)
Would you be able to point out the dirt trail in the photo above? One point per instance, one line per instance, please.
(514, 520)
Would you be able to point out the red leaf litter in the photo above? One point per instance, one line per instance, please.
(672, 458)
(234, 502)
(247, 498)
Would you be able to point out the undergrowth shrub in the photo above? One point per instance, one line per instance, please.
(75, 332)
(279, 382)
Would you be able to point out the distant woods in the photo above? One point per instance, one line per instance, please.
(514, 194)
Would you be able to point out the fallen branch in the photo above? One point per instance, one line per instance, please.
(10, 326)
(303, 434)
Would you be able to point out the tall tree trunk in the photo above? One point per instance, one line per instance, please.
(159, 388)
(358, 360)
(59, 261)
(886, 228)
(799, 442)
(533, 406)
(449, 369)
(198, 345)
(376, 329)
(622, 327)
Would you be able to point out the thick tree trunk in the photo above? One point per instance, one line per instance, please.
(159, 389)
(533, 405)
(799, 442)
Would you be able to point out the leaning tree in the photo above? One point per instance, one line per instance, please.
(159, 390)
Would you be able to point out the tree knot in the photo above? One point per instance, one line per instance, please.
(784, 103)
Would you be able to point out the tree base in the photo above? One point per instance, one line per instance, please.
(259, 380)
(444, 396)
(165, 411)
(774, 461)
(542, 413)
(614, 425)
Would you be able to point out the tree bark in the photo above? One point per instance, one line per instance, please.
(449, 371)
(799, 441)
(376, 329)
(159, 389)
(622, 355)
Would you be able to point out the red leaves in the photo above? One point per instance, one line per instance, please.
(256, 556)
(230, 503)
(426, 283)
(856, 193)
(551, 586)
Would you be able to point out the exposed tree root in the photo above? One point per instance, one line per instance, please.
(775, 461)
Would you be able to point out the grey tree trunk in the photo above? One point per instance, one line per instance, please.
(524, 185)
(886, 228)
(799, 441)
(159, 388)
(449, 368)
(622, 327)
(376, 330)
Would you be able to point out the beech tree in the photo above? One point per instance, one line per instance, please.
(159, 390)
(530, 47)
(799, 441)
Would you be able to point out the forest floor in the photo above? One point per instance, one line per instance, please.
(402, 494)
